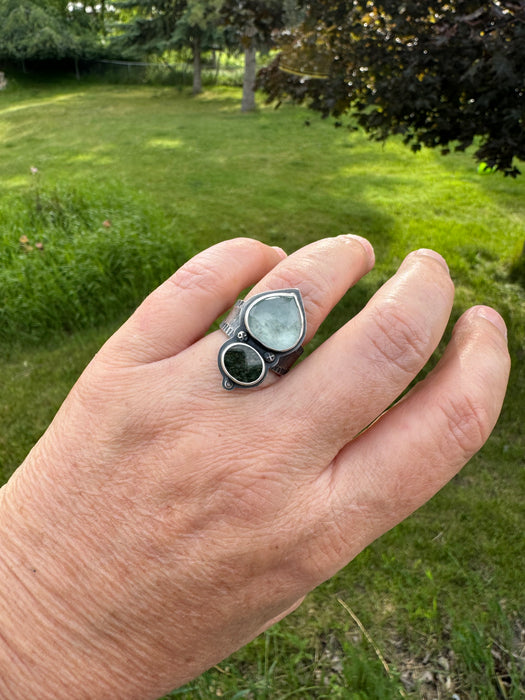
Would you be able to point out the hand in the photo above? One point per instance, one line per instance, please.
(163, 522)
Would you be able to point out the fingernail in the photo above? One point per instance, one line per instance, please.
(281, 252)
(490, 314)
(366, 245)
(432, 254)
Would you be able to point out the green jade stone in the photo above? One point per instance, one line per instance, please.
(276, 322)
(243, 363)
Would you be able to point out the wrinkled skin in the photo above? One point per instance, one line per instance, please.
(162, 522)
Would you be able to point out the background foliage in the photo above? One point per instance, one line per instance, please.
(442, 74)
(40, 30)
(445, 75)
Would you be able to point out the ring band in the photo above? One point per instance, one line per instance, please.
(265, 332)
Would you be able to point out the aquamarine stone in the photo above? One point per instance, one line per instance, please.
(276, 321)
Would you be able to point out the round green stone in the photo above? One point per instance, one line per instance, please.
(243, 364)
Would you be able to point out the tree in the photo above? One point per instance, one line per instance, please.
(441, 73)
(37, 31)
(251, 25)
(198, 27)
(147, 26)
(95, 12)
(155, 27)
(293, 13)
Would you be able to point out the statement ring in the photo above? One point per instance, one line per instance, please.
(265, 332)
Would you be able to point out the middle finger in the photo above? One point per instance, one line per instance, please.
(323, 272)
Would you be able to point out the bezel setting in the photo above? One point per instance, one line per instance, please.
(227, 347)
(241, 327)
(252, 305)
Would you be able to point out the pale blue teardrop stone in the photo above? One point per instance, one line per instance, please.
(276, 322)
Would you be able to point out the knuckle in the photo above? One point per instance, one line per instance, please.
(315, 305)
(197, 274)
(399, 340)
(469, 424)
(208, 270)
(310, 286)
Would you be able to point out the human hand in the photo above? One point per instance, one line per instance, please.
(163, 522)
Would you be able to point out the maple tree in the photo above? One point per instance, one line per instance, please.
(441, 74)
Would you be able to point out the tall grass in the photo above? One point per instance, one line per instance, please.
(74, 258)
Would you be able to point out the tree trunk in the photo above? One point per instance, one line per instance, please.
(217, 62)
(102, 10)
(250, 69)
(197, 66)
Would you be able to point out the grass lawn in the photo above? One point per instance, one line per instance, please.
(131, 181)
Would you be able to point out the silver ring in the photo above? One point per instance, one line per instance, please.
(265, 332)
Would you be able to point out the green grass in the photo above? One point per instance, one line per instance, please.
(72, 256)
(441, 595)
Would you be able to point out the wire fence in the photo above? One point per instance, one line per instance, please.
(179, 73)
